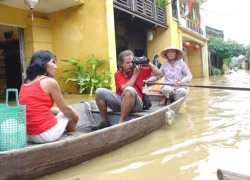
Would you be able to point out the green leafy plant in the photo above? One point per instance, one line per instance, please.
(229, 62)
(162, 3)
(216, 71)
(87, 76)
(223, 52)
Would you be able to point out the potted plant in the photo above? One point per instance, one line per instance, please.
(86, 75)
(162, 3)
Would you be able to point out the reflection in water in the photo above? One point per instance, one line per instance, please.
(132, 166)
(211, 131)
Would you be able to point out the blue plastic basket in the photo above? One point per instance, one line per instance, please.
(12, 124)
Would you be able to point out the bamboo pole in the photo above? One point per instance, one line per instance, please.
(204, 86)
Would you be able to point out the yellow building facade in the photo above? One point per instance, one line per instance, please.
(79, 30)
(178, 33)
(82, 28)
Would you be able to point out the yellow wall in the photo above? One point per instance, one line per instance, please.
(194, 62)
(110, 23)
(162, 38)
(12, 16)
(37, 33)
(76, 32)
(195, 59)
(89, 29)
(206, 59)
(37, 36)
(82, 31)
(160, 41)
(173, 36)
(243, 65)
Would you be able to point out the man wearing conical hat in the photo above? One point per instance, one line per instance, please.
(175, 72)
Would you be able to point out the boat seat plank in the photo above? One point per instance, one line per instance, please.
(137, 114)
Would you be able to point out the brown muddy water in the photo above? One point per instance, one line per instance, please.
(212, 130)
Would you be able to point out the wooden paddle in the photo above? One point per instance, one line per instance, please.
(204, 86)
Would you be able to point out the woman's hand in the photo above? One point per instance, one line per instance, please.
(77, 116)
(151, 79)
(178, 83)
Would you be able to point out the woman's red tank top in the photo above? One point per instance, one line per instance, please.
(38, 115)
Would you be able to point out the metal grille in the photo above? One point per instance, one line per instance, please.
(144, 8)
(124, 3)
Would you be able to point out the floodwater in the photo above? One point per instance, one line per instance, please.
(212, 130)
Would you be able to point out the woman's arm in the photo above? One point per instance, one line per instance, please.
(52, 87)
(155, 71)
(187, 74)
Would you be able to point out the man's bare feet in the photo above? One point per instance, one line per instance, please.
(100, 125)
(72, 133)
(121, 121)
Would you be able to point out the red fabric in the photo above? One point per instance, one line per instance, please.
(120, 80)
(189, 6)
(38, 104)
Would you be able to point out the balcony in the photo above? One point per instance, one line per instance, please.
(144, 9)
(191, 25)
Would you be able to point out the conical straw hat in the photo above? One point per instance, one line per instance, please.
(179, 52)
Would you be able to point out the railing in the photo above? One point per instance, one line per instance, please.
(192, 26)
(123, 3)
(195, 27)
(146, 9)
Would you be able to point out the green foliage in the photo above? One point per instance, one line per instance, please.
(226, 49)
(216, 71)
(87, 76)
(162, 3)
(229, 62)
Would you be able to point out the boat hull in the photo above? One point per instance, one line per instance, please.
(39, 160)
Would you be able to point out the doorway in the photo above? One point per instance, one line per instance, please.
(130, 33)
(10, 60)
(130, 36)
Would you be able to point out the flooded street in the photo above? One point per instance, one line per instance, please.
(212, 130)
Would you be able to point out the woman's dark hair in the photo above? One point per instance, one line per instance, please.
(38, 64)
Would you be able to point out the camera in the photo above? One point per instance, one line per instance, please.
(142, 60)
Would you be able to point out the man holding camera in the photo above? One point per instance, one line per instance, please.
(129, 83)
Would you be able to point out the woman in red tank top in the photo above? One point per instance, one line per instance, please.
(40, 91)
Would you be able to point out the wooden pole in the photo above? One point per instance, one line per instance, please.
(204, 86)
(227, 175)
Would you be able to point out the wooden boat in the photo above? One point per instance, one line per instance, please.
(227, 175)
(38, 160)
